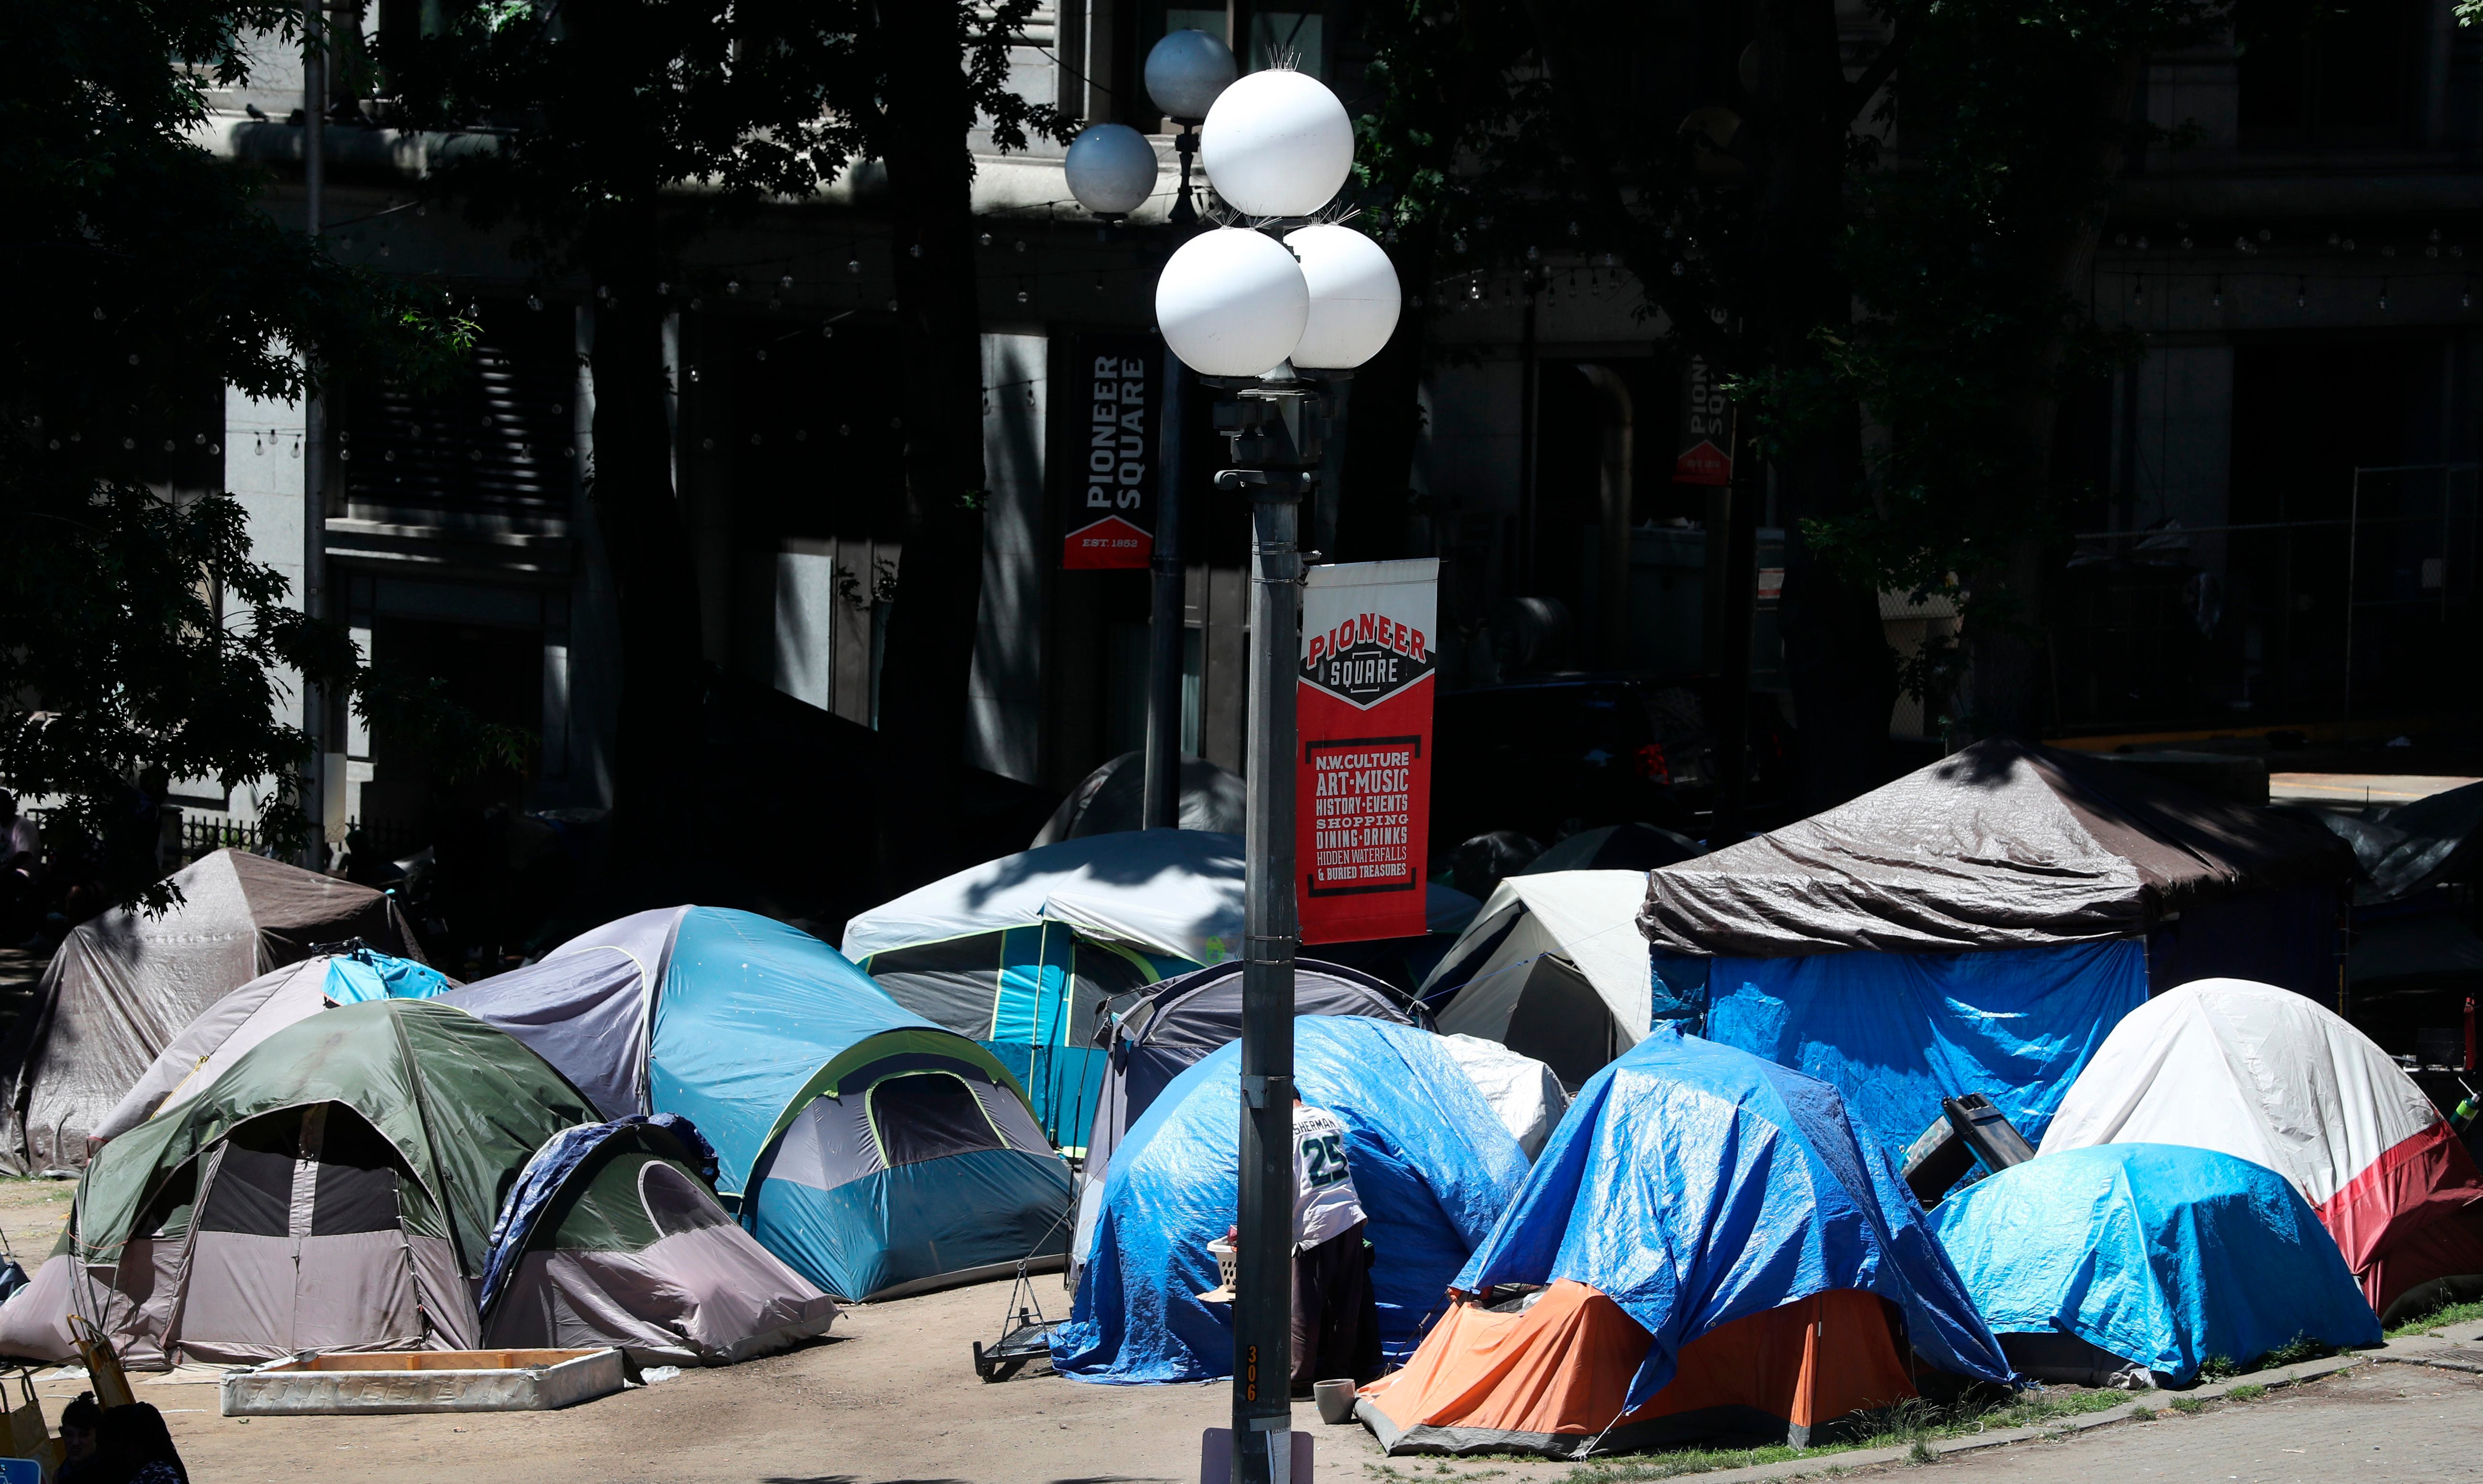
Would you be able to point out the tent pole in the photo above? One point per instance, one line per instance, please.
(1274, 428)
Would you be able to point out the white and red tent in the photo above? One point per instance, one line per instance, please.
(2273, 1077)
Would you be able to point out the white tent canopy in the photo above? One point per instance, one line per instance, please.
(1543, 958)
(2274, 1077)
(1173, 892)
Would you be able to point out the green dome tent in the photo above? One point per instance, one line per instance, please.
(336, 1189)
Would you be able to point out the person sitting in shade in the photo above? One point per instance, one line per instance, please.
(1336, 1320)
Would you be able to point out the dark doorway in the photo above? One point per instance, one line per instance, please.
(496, 675)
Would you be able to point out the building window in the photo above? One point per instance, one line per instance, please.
(1293, 35)
(2318, 75)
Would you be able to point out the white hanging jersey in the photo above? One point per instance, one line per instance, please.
(1325, 1199)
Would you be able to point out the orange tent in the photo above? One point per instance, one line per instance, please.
(1554, 1377)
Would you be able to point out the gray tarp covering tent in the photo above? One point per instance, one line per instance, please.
(2416, 846)
(2001, 846)
(1981, 924)
(122, 986)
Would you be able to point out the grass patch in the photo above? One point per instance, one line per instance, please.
(2142, 1414)
(2248, 1391)
(2293, 1352)
(1913, 1426)
(1643, 1467)
(2189, 1406)
(2450, 1313)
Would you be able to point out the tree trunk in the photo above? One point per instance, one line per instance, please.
(2006, 678)
(931, 653)
(656, 741)
(1837, 659)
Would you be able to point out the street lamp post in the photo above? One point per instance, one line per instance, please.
(1251, 315)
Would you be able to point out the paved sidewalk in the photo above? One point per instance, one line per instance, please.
(2405, 1424)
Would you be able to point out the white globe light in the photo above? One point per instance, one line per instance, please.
(1112, 169)
(1353, 294)
(1276, 143)
(1232, 303)
(1185, 72)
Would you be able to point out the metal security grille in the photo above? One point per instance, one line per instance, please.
(496, 439)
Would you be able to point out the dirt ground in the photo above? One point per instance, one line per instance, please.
(890, 1397)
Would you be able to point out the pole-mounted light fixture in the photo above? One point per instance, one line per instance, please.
(1112, 169)
(1186, 73)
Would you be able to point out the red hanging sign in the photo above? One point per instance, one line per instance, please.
(1706, 456)
(1362, 790)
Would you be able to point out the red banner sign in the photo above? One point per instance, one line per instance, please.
(1111, 517)
(1362, 792)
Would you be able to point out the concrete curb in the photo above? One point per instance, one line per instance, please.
(2066, 1427)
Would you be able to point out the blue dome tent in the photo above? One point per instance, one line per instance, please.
(871, 1150)
(2156, 1254)
(1430, 1160)
(1981, 924)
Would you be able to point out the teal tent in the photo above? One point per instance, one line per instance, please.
(873, 1150)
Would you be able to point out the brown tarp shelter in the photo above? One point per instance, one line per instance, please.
(122, 986)
(2003, 845)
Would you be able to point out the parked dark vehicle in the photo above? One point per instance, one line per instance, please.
(1550, 756)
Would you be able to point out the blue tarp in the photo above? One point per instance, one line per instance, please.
(1432, 1162)
(366, 974)
(1694, 1184)
(2159, 1255)
(548, 1171)
(1894, 1033)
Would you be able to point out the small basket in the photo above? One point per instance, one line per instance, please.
(1228, 1263)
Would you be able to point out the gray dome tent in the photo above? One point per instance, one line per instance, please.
(1108, 800)
(122, 986)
